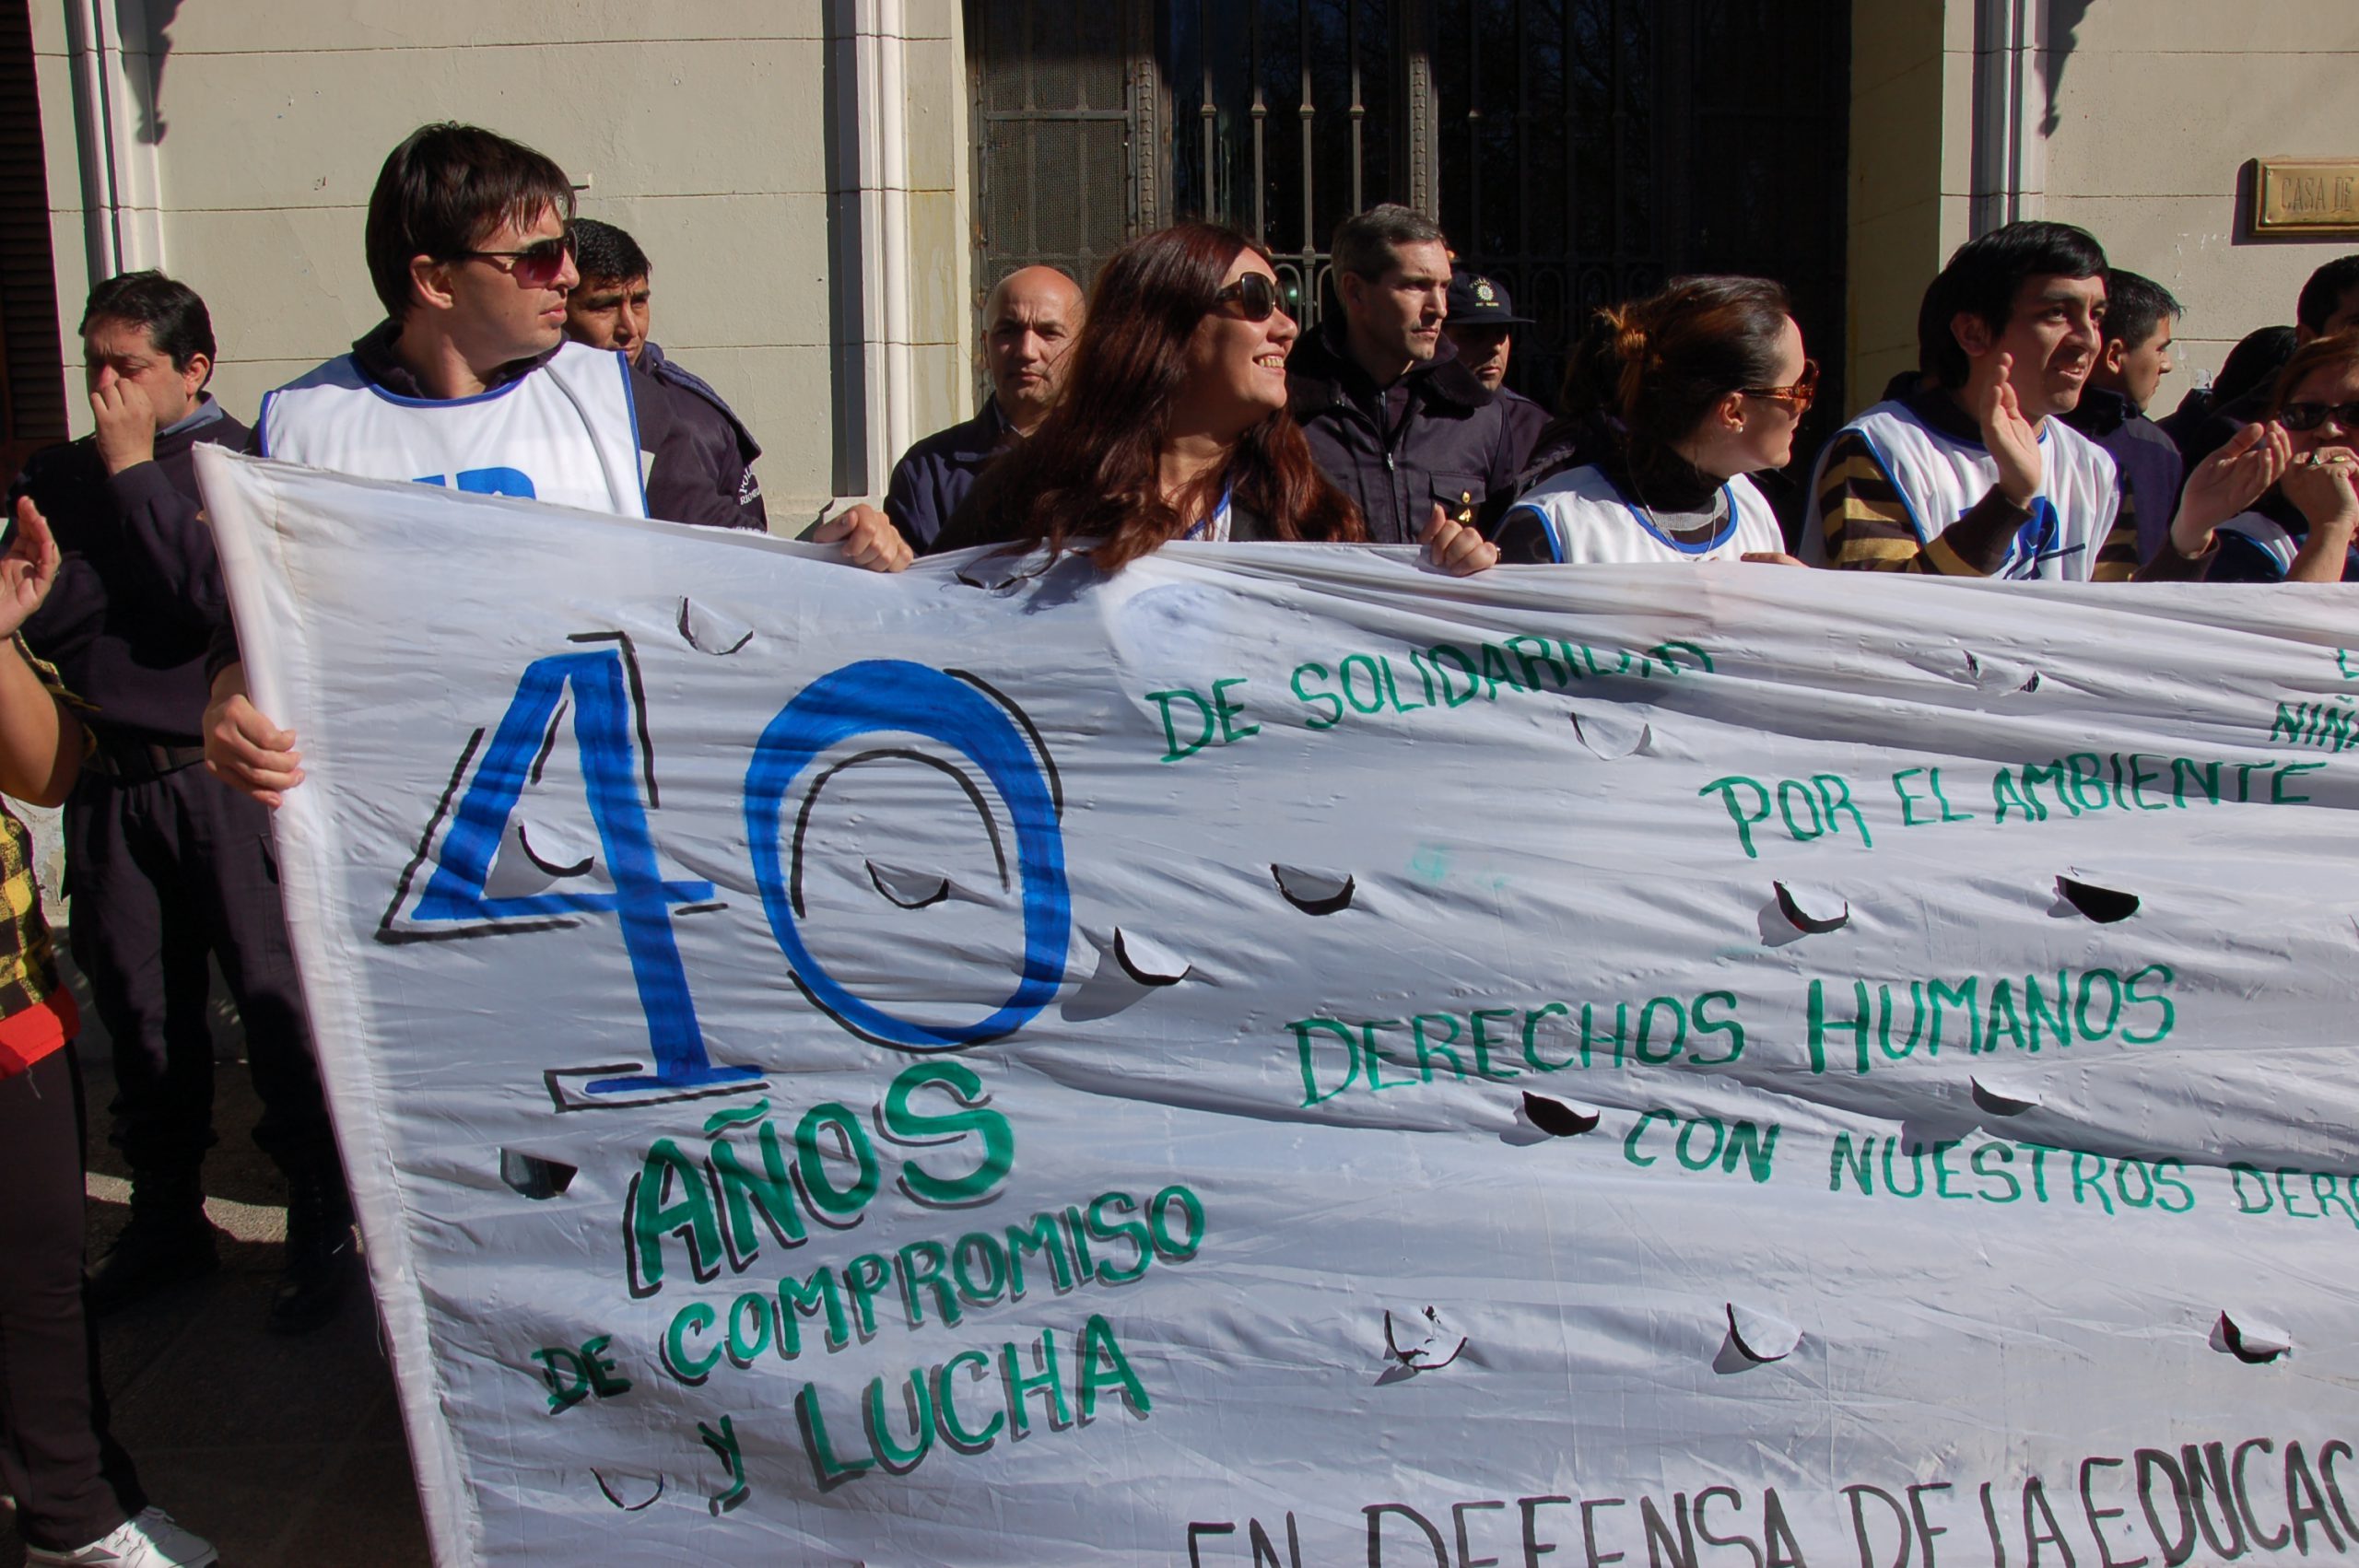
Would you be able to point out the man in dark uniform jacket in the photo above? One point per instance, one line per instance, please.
(613, 306)
(1481, 327)
(164, 863)
(1029, 324)
(1400, 427)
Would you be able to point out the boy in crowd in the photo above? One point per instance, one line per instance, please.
(1974, 474)
(2139, 315)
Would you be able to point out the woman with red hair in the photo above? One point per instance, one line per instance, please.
(1173, 422)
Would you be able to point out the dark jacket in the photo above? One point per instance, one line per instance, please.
(1437, 434)
(712, 439)
(139, 593)
(1525, 420)
(2208, 429)
(2149, 464)
(935, 474)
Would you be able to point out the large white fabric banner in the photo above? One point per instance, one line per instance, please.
(1280, 1056)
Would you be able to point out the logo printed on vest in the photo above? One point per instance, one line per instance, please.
(487, 481)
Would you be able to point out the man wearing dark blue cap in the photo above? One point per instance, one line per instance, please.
(1480, 326)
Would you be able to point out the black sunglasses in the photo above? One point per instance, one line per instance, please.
(537, 263)
(2310, 415)
(1254, 297)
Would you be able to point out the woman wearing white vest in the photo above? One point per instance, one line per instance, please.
(469, 383)
(1703, 383)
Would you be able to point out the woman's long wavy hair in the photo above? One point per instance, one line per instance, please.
(1091, 471)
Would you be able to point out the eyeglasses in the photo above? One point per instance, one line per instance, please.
(537, 265)
(1800, 394)
(2310, 415)
(1255, 298)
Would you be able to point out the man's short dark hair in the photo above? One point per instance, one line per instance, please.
(2322, 295)
(602, 250)
(2136, 307)
(177, 321)
(1368, 244)
(1982, 279)
(444, 192)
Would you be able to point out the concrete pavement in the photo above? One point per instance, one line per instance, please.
(280, 1451)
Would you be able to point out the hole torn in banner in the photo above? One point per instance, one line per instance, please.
(1148, 962)
(1612, 735)
(1430, 1352)
(1814, 911)
(908, 889)
(710, 631)
(2001, 1098)
(1560, 1119)
(534, 1177)
(2251, 1339)
(1761, 1336)
(2106, 906)
(1314, 893)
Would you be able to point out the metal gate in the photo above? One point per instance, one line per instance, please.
(1593, 150)
(1583, 151)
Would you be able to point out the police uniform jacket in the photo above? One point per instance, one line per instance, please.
(711, 440)
(1435, 434)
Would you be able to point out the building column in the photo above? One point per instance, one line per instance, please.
(114, 110)
(2009, 155)
(869, 242)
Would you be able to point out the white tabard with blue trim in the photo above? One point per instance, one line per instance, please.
(1941, 478)
(1589, 522)
(567, 432)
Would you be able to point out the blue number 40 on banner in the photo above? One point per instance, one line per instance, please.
(448, 891)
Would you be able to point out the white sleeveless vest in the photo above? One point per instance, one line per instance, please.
(1941, 478)
(1588, 522)
(567, 432)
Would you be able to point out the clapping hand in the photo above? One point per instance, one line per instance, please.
(2012, 442)
(28, 569)
(2229, 482)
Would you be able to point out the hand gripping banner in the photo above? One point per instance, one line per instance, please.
(1280, 1056)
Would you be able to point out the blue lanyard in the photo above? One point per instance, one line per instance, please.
(1215, 527)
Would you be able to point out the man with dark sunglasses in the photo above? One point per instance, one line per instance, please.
(470, 382)
(1398, 423)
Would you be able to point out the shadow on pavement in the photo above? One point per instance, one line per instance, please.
(279, 1451)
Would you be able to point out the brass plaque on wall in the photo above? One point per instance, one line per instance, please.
(2305, 195)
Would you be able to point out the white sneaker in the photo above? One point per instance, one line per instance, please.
(150, 1540)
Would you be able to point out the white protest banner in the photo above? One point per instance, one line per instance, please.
(1277, 1056)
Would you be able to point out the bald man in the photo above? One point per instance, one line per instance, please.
(1029, 324)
